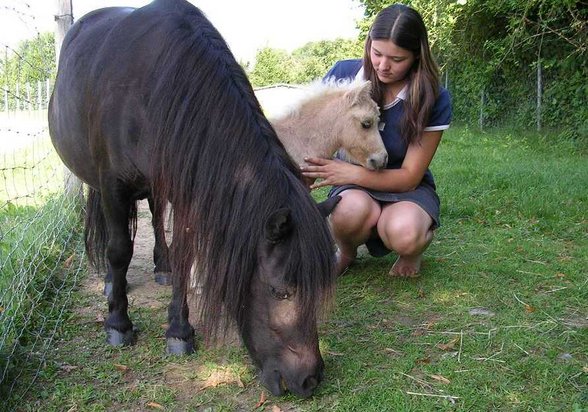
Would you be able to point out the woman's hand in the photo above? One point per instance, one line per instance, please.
(332, 172)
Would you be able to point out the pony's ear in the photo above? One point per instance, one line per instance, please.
(278, 225)
(327, 206)
(360, 93)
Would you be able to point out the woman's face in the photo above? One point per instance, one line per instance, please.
(392, 63)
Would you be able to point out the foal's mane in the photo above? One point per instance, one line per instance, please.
(221, 165)
(315, 95)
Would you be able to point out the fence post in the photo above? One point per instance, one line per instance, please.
(64, 20)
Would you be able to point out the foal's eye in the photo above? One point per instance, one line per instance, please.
(280, 294)
(366, 124)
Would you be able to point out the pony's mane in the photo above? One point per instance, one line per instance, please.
(224, 170)
(315, 94)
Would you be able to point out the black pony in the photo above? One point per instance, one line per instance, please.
(150, 103)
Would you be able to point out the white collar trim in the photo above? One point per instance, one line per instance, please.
(402, 94)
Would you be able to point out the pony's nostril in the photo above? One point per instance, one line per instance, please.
(309, 383)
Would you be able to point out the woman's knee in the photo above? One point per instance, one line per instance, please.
(406, 235)
(354, 212)
(406, 239)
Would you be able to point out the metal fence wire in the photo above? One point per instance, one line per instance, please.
(41, 255)
(41, 248)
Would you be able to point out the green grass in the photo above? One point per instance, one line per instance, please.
(498, 321)
(40, 259)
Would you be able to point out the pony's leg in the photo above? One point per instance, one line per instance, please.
(180, 334)
(160, 250)
(119, 250)
(107, 283)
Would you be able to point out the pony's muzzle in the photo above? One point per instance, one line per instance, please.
(310, 383)
(301, 377)
(308, 374)
(377, 161)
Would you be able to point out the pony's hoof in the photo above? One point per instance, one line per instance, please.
(177, 346)
(117, 338)
(163, 278)
(107, 289)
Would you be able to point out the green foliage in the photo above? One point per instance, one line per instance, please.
(37, 250)
(315, 58)
(305, 64)
(490, 52)
(31, 62)
(272, 66)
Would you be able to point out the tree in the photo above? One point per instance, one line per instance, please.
(314, 59)
(305, 64)
(31, 62)
(272, 66)
(510, 61)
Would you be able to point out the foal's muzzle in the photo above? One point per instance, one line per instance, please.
(377, 161)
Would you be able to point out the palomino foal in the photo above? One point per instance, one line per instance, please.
(334, 117)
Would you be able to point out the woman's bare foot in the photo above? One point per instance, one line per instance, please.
(407, 266)
(342, 262)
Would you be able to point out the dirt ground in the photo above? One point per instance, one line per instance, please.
(143, 291)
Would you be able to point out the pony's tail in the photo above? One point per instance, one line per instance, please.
(95, 231)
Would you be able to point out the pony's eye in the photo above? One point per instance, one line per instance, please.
(280, 294)
(366, 124)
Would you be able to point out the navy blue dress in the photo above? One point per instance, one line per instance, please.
(425, 194)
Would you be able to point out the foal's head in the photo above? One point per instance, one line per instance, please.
(357, 128)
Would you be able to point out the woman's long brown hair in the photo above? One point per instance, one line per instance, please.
(404, 26)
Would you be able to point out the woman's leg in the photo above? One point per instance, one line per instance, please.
(405, 228)
(352, 223)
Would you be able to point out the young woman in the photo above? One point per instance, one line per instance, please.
(397, 208)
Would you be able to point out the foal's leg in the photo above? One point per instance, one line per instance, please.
(180, 334)
(160, 250)
(119, 250)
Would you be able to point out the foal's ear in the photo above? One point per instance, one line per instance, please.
(360, 93)
(278, 225)
(327, 206)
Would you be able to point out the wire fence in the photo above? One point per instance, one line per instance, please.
(41, 250)
(26, 96)
(41, 253)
